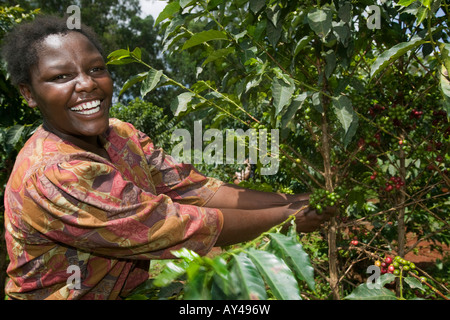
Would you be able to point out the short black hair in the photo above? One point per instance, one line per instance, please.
(21, 44)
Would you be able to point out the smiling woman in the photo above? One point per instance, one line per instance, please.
(72, 88)
(94, 194)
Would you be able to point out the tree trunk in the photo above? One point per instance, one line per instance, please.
(332, 228)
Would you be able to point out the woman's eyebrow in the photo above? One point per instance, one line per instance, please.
(64, 65)
(59, 66)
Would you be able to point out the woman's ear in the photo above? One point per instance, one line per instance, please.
(25, 90)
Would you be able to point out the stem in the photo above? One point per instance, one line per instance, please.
(401, 215)
(332, 227)
(401, 285)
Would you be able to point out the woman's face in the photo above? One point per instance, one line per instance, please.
(71, 86)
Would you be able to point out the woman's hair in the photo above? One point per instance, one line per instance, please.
(21, 45)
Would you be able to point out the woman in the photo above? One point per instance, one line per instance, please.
(95, 193)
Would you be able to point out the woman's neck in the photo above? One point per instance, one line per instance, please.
(89, 143)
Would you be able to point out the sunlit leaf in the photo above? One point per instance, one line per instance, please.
(414, 283)
(133, 80)
(168, 11)
(320, 21)
(282, 93)
(203, 37)
(389, 56)
(344, 111)
(276, 274)
(247, 277)
(151, 81)
(293, 254)
(363, 292)
(221, 53)
(180, 103)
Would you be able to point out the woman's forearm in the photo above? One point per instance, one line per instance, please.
(248, 213)
(235, 197)
(244, 225)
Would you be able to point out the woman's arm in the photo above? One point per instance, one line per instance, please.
(247, 213)
(235, 197)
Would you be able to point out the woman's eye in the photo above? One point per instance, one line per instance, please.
(97, 69)
(61, 77)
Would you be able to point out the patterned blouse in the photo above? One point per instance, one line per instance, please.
(68, 209)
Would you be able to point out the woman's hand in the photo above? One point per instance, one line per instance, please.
(308, 220)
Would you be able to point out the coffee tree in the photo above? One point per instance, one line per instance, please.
(360, 93)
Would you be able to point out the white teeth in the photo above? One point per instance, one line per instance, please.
(87, 107)
(90, 111)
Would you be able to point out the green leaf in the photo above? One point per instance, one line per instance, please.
(405, 3)
(276, 273)
(320, 21)
(414, 283)
(389, 56)
(274, 14)
(151, 81)
(186, 254)
(386, 278)
(180, 103)
(295, 105)
(345, 12)
(245, 275)
(198, 284)
(133, 80)
(170, 272)
(362, 292)
(185, 3)
(344, 112)
(256, 5)
(303, 42)
(445, 54)
(168, 11)
(121, 61)
(426, 3)
(342, 32)
(274, 33)
(137, 53)
(295, 257)
(331, 63)
(120, 57)
(212, 4)
(119, 54)
(422, 13)
(13, 136)
(203, 37)
(217, 54)
(282, 92)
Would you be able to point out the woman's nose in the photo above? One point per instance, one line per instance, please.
(84, 82)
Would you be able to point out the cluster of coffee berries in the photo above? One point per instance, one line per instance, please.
(415, 114)
(396, 182)
(320, 199)
(396, 266)
(355, 241)
(439, 116)
(376, 109)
